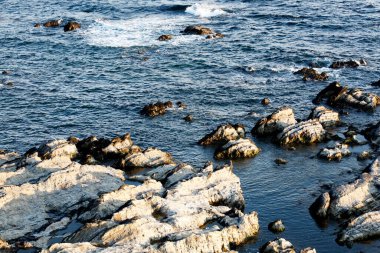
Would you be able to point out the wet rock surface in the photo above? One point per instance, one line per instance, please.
(275, 122)
(348, 64)
(311, 74)
(156, 109)
(340, 96)
(71, 26)
(175, 208)
(197, 30)
(234, 149)
(223, 134)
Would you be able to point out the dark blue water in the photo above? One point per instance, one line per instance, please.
(95, 80)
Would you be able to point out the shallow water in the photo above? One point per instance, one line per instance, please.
(95, 80)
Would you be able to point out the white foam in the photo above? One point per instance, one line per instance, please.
(140, 31)
(205, 10)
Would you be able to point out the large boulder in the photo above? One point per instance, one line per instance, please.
(149, 158)
(223, 134)
(278, 246)
(338, 95)
(234, 149)
(275, 123)
(305, 132)
(325, 116)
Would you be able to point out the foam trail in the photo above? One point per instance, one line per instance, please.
(205, 10)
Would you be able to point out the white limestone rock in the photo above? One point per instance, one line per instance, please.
(337, 152)
(234, 149)
(223, 134)
(149, 158)
(278, 246)
(275, 123)
(364, 227)
(325, 116)
(305, 132)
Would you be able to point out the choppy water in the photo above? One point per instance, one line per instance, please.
(95, 80)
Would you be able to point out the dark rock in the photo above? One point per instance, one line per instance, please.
(377, 83)
(9, 83)
(165, 37)
(156, 109)
(73, 140)
(188, 118)
(348, 64)
(197, 30)
(276, 226)
(181, 105)
(319, 209)
(364, 155)
(312, 74)
(215, 36)
(53, 23)
(265, 101)
(37, 25)
(71, 26)
(6, 72)
(280, 161)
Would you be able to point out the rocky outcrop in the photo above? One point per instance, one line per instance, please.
(325, 116)
(223, 134)
(53, 23)
(234, 149)
(120, 146)
(71, 26)
(199, 213)
(165, 37)
(337, 95)
(358, 201)
(149, 158)
(278, 246)
(335, 152)
(305, 132)
(156, 109)
(312, 74)
(348, 64)
(275, 123)
(197, 30)
(364, 227)
(376, 83)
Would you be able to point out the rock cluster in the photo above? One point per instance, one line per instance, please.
(357, 201)
(312, 74)
(337, 95)
(175, 208)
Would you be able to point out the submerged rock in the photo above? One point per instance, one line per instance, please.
(188, 118)
(234, 149)
(376, 83)
(348, 64)
(312, 74)
(156, 109)
(278, 246)
(71, 26)
(364, 155)
(372, 133)
(197, 30)
(215, 36)
(364, 227)
(325, 116)
(342, 96)
(305, 132)
(223, 134)
(337, 152)
(275, 123)
(53, 23)
(165, 37)
(276, 226)
(308, 250)
(280, 161)
(172, 222)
